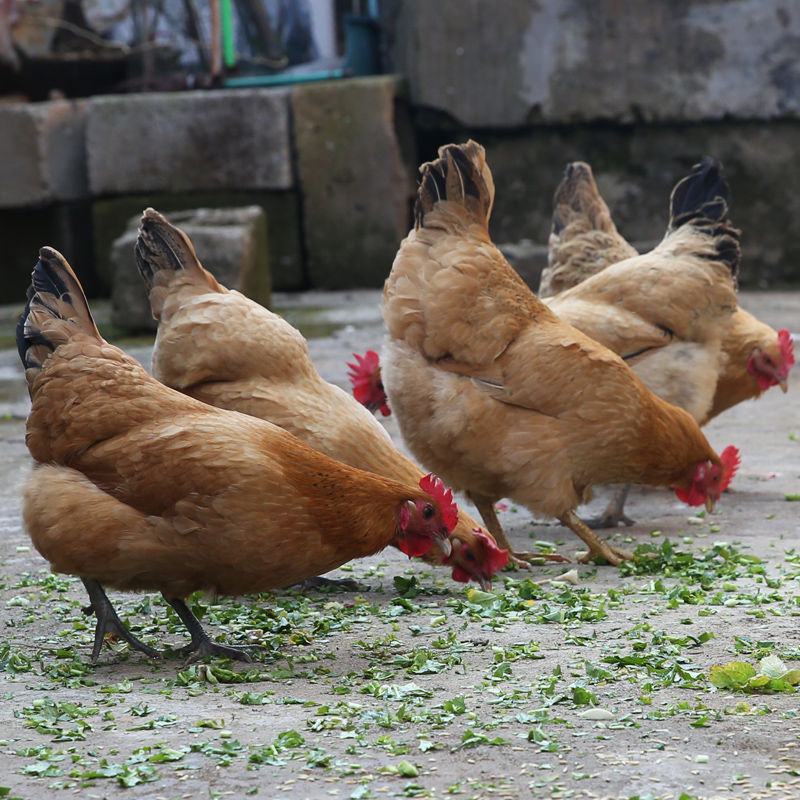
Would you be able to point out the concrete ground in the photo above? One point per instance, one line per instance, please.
(421, 687)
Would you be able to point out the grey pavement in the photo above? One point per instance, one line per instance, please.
(593, 689)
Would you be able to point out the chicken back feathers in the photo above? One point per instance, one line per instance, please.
(584, 239)
(753, 356)
(142, 487)
(667, 312)
(489, 385)
(222, 348)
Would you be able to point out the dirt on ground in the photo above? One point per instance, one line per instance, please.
(672, 677)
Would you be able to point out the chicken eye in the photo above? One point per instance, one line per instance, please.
(427, 512)
(469, 556)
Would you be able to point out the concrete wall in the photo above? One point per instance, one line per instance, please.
(636, 167)
(641, 90)
(302, 154)
(509, 63)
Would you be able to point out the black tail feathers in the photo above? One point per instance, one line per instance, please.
(702, 199)
(28, 338)
(456, 176)
(55, 293)
(703, 195)
(159, 246)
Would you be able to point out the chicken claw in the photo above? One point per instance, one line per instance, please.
(597, 546)
(202, 645)
(613, 555)
(527, 560)
(519, 560)
(109, 622)
(209, 649)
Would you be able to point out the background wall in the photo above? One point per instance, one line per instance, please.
(641, 90)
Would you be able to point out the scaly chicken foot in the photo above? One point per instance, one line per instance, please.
(202, 645)
(344, 584)
(598, 548)
(109, 622)
(520, 559)
(614, 515)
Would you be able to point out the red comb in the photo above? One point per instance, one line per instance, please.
(731, 460)
(365, 376)
(435, 487)
(787, 348)
(364, 367)
(498, 557)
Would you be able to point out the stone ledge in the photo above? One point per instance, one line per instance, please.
(191, 141)
(355, 168)
(42, 153)
(563, 61)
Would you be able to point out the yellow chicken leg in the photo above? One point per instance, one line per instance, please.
(597, 546)
(522, 560)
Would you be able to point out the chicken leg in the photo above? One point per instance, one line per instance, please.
(614, 515)
(597, 547)
(488, 514)
(202, 645)
(109, 622)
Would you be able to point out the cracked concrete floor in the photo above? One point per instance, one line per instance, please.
(417, 687)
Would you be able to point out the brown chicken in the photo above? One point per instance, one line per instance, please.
(498, 393)
(222, 348)
(583, 239)
(666, 312)
(143, 488)
(584, 242)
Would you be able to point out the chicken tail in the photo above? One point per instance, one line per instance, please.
(162, 250)
(701, 199)
(460, 176)
(56, 310)
(577, 197)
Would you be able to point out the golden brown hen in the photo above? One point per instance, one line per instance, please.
(583, 238)
(667, 312)
(143, 488)
(754, 355)
(222, 348)
(493, 389)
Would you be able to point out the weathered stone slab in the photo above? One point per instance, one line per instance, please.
(230, 242)
(42, 153)
(357, 186)
(190, 141)
(282, 209)
(508, 64)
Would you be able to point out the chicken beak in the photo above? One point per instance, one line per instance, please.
(443, 543)
(784, 384)
(709, 504)
(485, 583)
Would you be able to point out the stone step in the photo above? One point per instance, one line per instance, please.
(189, 141)
(231, 243)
